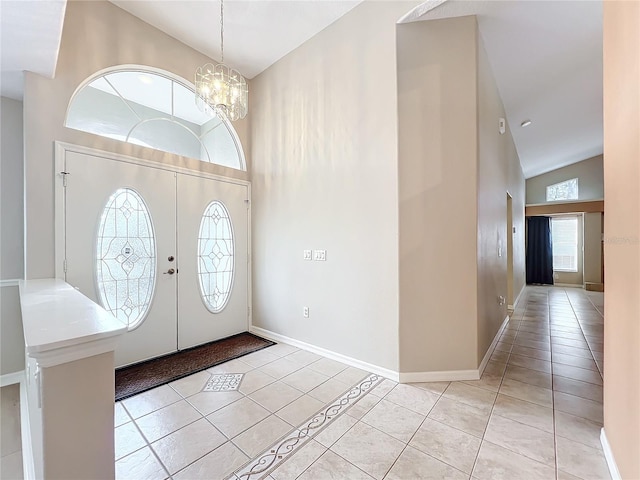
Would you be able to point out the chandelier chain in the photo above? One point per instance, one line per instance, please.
(222, 31)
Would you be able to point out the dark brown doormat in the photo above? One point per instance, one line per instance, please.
(149, 374)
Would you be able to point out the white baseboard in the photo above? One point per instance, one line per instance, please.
(406, 377)
(28, 461)
(11, 378)
(492, 347)
(442, 376)
(454, 375)
(608, 455)
(568, 285)
(369, 367)
(515, 303)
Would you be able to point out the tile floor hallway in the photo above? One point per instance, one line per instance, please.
(535, 414)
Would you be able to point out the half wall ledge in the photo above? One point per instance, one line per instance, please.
(69, 345)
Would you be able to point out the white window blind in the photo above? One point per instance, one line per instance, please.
(564, 237)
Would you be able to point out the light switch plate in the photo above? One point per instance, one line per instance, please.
(320, 255)
(307, 255)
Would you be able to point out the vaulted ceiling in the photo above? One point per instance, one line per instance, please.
(546, 55)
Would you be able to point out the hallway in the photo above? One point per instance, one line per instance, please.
(535, 414)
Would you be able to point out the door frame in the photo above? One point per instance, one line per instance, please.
(61, 149)
(510, 283)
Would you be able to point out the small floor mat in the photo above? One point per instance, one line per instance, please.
(146, 375)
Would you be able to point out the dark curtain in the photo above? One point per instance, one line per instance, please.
(539, 251)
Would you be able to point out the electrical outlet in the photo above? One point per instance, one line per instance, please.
(305, 312)
(307, 255)
(320, 255)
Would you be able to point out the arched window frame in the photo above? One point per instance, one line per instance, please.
(152, 71)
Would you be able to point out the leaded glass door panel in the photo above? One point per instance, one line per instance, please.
(120, 230)
(213, 259)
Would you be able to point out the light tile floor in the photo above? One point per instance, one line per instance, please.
(10, 433)
(536, 413)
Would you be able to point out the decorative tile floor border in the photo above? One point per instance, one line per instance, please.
(274, 456)
(225, 382)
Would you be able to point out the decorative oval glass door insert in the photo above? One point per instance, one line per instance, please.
(215, 257)
(126, 257)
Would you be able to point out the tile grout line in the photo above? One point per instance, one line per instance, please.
(203, 416)
(585, 336)
(181, 398)
(556, 435)
(357, 420)
(553, 405)
(521, 329)
(407, 444)
(247, 396)
(252, 463)
(153, 452)
(504, 373)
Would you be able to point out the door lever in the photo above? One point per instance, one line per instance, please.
(171, 271)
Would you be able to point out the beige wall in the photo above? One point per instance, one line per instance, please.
(11, 235)
(77, 419)
(11, 191)
(593, 247)
(516, 185)
(622, 233)
(437, 171)
(324, 147)
(499, 171)
(455, 170)
(588, 172)
(11, 336)
(96, 35)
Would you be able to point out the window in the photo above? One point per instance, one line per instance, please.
(567, 190)
(215, 257)
(564, 236)
(153, 109)
(126, 257)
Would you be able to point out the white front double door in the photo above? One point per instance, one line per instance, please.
(165, 252)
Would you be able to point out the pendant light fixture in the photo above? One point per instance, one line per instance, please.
(221, 90)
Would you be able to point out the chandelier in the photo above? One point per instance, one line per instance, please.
(221, 90)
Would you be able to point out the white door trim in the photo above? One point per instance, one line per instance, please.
(61, 149)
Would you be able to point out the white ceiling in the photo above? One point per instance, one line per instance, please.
(546, 55)
(257, 33)
(30, 33)
(547, 60)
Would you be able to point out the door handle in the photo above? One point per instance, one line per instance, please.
(171, 271)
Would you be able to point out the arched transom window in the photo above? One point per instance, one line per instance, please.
(154, 109)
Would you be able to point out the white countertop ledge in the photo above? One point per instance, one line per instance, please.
(61, 324)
